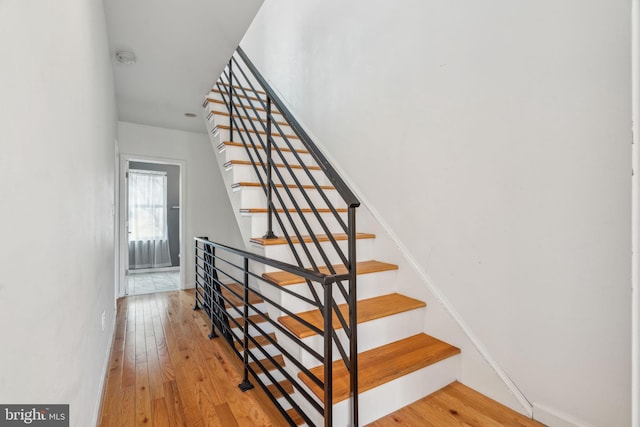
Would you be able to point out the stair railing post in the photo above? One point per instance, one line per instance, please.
(269, 234)
(195, 295)
(230, 100)
(245, 384)
(328, 355)
(353, 315)
(210, 257)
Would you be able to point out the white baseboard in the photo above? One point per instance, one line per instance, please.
(554, 418)
(153, 270)
(105, 369)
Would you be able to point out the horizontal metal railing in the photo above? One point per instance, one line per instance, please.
(218, 279)
(299, 208)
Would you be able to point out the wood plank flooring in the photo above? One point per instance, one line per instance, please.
(164, 371)
(455, 405)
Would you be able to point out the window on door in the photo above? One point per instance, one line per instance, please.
(148, 231)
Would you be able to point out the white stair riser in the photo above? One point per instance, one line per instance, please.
(251, 197)
(240, 99)
(269, 349)
(258, 139)
(389, 397)
(368, 286)
(364, 251)
(222, 117)
(245, 110)
(240, 153)
(265, 326)
(276, 374)
(246, 173)
(374, 333)
(259, 222)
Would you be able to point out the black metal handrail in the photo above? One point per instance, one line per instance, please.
(280, 169)
(334, 177)
(210, 295)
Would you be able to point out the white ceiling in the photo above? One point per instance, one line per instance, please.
(181, 47)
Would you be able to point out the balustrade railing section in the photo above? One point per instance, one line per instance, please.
(299, 187)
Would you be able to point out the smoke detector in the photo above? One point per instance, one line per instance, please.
(125, 57)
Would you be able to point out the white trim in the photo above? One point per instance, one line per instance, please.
(105, 368)
(552, 417)
(147, 172)
(154, 270)
(121, 258)
(475, 341)
(635, 214)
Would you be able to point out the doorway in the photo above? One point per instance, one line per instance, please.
(151, 223)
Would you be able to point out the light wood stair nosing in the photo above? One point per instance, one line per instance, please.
(245, 184)
(261, 92)
(283, 278)
(255, 119)
(220, 102)
(261, 132)
(291, 210)
(225, 144)
(383, 364)
(368, 310)
(307, 239)
(232, 163)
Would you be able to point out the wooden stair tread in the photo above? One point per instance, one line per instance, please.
(257, 184)
(291, 210)
(261, 339)
(261, 132)
(455, 405)
(285, 384)
(383, 364)
(284, 278)
(295, 416)
(307, 239)
(238, 289)
(255, 318)
(368, 309)
(268, 365)
(224, 113)
(261, 92)
(219, 101)
(278, 165)
(239, 94)
(239, 144)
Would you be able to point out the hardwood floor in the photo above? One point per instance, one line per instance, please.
(455, 405)
(164, 371)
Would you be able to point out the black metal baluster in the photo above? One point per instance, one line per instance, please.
(245, 384)
(230, 101)
(328, 355)
(270, 184)
(195, 295)
(213, 311)
(353, 315)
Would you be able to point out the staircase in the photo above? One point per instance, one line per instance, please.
(297, 219)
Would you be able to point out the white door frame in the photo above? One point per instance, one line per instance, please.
(122, 258)
(635, 214)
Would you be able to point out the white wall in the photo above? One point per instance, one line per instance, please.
(57, 133)
(493, 138)
(207, 210)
